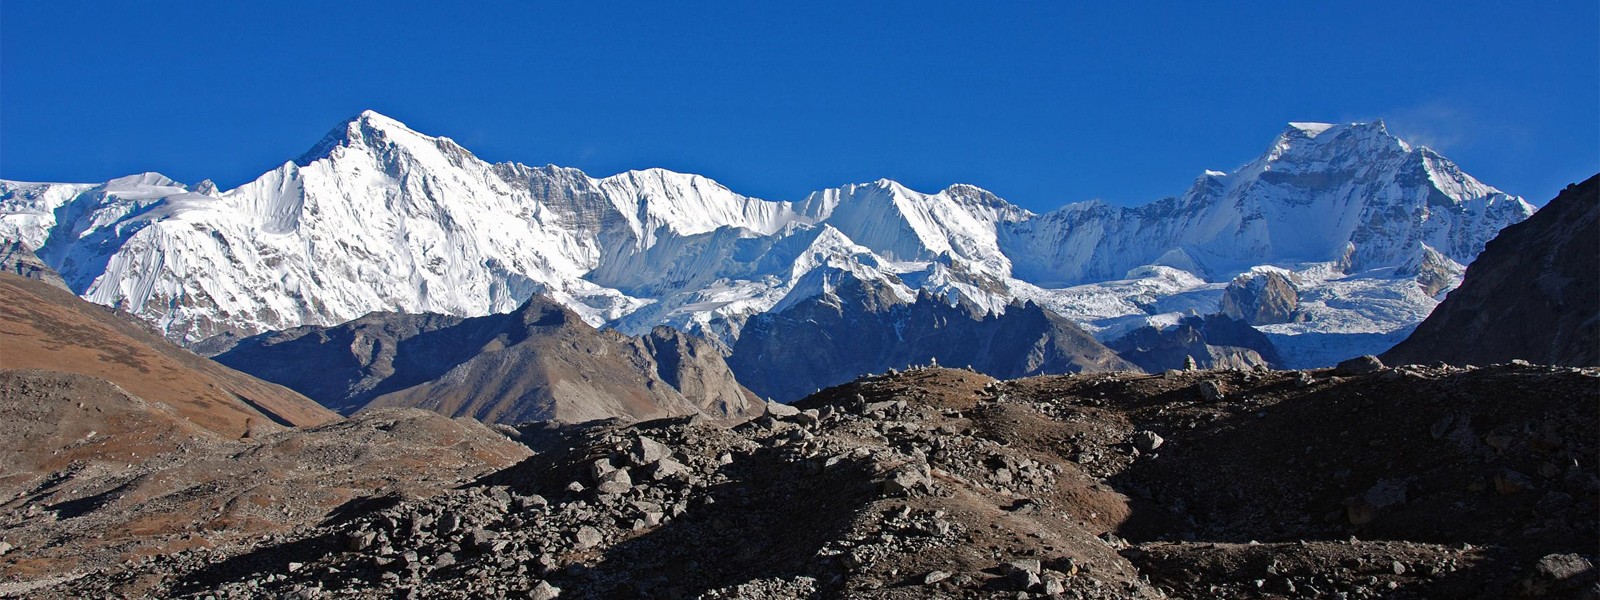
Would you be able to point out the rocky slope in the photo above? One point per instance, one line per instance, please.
(857, 328)
(18, 259)
(97, 479)
(1395, 483)
(1534, 294)
(1210, 342)
(44, 327)
(539, 362)
(119, 445)
(380, 218)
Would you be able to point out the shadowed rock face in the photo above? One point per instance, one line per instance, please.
(43, 327)
(1213, 341)
(860, 328)
(18, 259)
(540, 362)
(1534, 294)
(1261, 299)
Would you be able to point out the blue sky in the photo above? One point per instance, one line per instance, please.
(1043, 103)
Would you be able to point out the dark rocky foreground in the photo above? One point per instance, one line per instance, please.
(1406, 482)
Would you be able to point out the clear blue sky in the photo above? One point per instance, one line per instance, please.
(1043, 103)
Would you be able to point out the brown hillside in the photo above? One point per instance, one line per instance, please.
(42, 327)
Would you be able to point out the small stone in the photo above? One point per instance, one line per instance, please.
(1398, 567)
(1303, 379)
(780, 410)
(1030, 565)
(478, 538)
(1359, 365)
(904, 480)
(615, 482)
(666, 468)
(646, 451)
(1210, 390)
(935, 577)
(544, 591)
(444, 560)
(588, 537)
(1024, 580)
(356, 542)
(295, 566)
(600, 468)
(1053, 586)
(1147, 441)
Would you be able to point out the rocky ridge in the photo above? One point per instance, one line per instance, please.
(858, 327)
(540, 362)
(1532, 295)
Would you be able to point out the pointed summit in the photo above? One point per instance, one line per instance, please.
(369, 127)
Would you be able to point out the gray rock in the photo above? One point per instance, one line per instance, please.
(478, 538)
(1558, 573)
(1053, 586)
(1147, 441)
(666, 467)
(780, 410)
(1303, 379)
(935, 577)
(646, 451)
(356, 541)
(544, 591)
(1029, 565)
(600, 468)
(906, 479)
(588, 537)
(1359, 365)
(1210, 390)
(616, 481)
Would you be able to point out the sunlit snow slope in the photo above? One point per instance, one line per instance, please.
(379, 217)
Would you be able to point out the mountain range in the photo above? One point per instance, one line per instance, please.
(380, 218)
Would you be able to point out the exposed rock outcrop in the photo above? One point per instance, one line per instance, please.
(1261, 298)
(1209, 342)
(18, 259)
(1533, 294)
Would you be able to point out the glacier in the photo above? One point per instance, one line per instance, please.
(378, 217)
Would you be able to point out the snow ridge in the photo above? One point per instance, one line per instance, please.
(378, 217)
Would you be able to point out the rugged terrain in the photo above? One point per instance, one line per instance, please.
(1357, 482)
(1532, 295)
(540, 362)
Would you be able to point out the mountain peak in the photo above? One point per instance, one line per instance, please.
(1310, 129)
(367, 126)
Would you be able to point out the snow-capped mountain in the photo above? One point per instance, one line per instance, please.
(377, 217)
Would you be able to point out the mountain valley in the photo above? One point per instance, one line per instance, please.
(434, 377)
